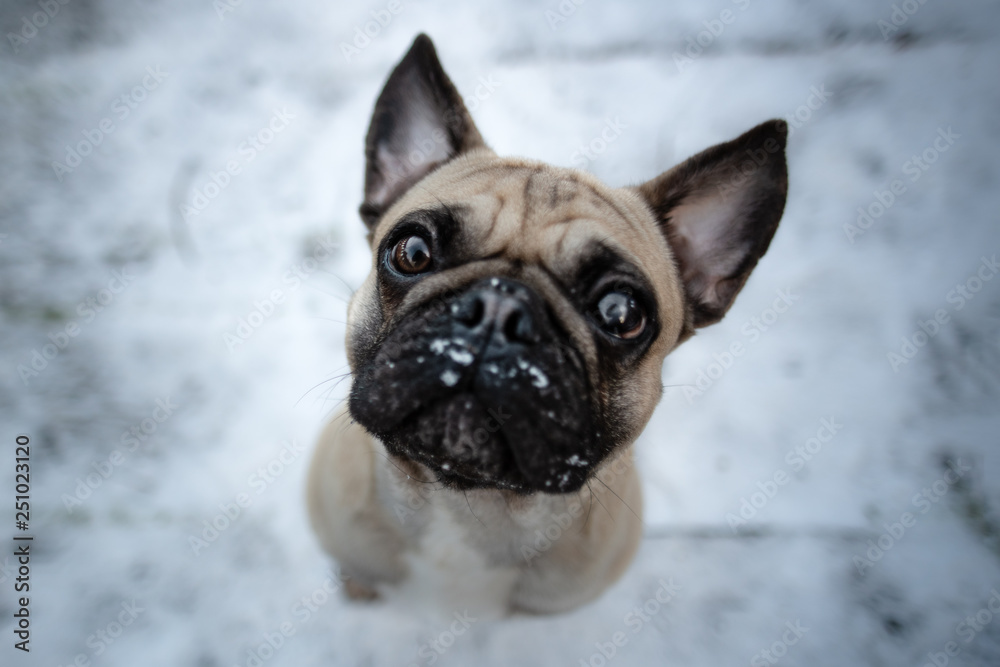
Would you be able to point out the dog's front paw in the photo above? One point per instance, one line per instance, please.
(359, 592)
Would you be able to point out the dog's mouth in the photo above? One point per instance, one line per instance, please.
(477, 414)
(498, 425)
(462, 441)
(469, 443)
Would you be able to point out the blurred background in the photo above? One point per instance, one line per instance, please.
(179, 184)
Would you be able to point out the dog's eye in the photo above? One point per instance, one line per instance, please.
(620, 315)
(411, 255)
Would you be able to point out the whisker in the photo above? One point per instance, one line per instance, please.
(326, 395)
(466, 494)
(350, 289)
(326, 319)
(319, 384)
(618, 497)
(330, 294)
(677, 386)
(594, 496)
(590, 507)
(337, 406)
(347, 422)
(408, 476)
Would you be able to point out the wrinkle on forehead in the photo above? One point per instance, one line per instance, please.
(537, 215)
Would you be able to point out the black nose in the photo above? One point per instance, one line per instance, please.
(499, 311)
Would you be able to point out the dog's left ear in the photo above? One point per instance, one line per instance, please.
(419, 123)
(719, 210)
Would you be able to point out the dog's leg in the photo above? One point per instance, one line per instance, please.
(359, 592)
(343, 509)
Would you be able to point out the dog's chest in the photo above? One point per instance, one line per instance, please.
(447, 569)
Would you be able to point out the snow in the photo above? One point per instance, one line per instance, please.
(540, 379)
(463, 357)
(235, 318)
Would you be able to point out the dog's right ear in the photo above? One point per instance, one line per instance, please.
(419, 123)
(719, 211)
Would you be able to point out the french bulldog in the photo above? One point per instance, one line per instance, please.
(506, 351)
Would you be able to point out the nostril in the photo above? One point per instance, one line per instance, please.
(478, 310)
(496, 311)
(512, 327)
(470, 312)
(519, 326)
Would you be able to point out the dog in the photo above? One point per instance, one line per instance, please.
(506, 351)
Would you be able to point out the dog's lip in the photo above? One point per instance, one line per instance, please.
(446, 468)
(450, 475)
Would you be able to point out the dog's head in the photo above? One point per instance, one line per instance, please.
(512, 331)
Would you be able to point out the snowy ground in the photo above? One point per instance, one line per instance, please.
(287, 222)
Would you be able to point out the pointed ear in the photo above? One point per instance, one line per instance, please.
(719, 210)
(419, 123)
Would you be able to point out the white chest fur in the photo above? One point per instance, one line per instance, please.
(448, 572)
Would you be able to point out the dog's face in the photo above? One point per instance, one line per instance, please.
(512, 331)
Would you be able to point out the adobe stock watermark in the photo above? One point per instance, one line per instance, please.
(485, 87)
(105, 636)
(122, 107)
(432, 649)
(914, 168)
(231, 510)
(302, 610)
(923, 501)
(815, 100)
(960, 295)
(130, 441)
(363, 35)
(796, 458)
(967, 630)
(752, 330)
(292, 279)
(773, 654)
(593, 149)
(635, 620)
(246, 153)
(696, 44)
(563, 11)
(37, 21)
(88, 310)
(899, 16)
(223, 7)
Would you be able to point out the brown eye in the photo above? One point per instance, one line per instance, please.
(411, 255)
(620, 315)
